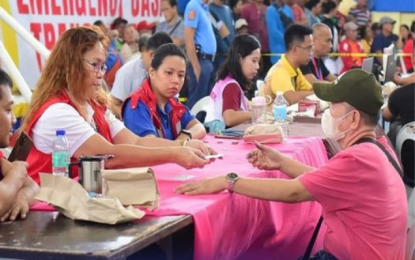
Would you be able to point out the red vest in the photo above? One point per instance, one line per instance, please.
(346, 46)
(111, 72)
(41, 162)
(145, 94)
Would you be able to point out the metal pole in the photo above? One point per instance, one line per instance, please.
(15, 73)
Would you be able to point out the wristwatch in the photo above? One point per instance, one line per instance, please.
(231, 178)
(186, 132)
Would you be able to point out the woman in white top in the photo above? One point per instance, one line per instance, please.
(130, 46)
(69, 97)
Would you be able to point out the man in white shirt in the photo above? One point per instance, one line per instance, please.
(130, 76)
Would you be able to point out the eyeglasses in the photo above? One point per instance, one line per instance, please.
(309, 49)
(97, 66)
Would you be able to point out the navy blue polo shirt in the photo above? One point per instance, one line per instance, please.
(139, 120)
(197, 17)
(380, 41)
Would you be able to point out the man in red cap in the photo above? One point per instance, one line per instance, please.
(144, 27)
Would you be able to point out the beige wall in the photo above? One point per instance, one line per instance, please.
(401, 18)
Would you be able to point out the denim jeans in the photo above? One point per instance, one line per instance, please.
(201, 88)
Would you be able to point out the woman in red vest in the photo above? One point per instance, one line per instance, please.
(153, 109)
(69, 96)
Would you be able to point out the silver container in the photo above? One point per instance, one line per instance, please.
(90, 172)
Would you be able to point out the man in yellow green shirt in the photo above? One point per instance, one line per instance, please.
(286, 75)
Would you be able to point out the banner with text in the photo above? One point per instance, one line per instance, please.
(46, 20)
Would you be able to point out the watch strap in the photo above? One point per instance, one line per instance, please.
(231, 179)
(185, 132)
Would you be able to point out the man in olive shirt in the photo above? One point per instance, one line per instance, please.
(316, 70)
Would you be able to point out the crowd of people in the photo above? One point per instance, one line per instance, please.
(114, 91)
(205, 30)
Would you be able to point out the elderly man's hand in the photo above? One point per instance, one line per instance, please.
(265, 158)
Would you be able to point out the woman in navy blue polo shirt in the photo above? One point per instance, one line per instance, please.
(153, 109)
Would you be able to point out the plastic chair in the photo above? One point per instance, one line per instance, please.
(410, 194)
(201, 106)
(407, 134)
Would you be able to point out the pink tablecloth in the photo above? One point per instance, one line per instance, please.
(234, 226)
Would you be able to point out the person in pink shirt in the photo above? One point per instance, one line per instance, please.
(254, 14)
(361, 193)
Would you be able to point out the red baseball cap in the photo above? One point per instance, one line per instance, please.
(144, 25)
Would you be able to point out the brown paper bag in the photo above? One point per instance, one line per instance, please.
(132, 186)
(264, 133)
(72, 200)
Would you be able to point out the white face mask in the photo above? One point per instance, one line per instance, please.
(329, 125)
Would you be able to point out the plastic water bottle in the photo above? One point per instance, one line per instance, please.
(60, 154)
(279, 110)
(258, 110)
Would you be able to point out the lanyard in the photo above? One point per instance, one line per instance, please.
(317, 69)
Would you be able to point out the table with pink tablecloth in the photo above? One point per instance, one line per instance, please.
(231, 226)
